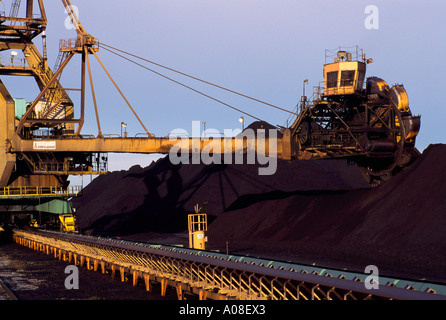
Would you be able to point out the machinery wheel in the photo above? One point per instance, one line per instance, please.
(304, 133)
(374, 175)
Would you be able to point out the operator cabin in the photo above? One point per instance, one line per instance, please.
(344, 76)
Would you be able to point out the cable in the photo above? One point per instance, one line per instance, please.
(182, 84)
(195, 78)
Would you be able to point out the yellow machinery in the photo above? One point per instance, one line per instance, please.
(362, 119)
(43, 143)
(42, 140)
(197, 225)
(68, 223)
(344, 76)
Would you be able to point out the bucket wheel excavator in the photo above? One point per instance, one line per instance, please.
(364, 120)
(350, 117)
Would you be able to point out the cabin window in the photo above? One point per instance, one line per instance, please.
(332, 79)
(347, 78)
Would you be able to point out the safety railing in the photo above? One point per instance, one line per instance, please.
(13, 62)
(355, 52)
(67, 45)
(346, 86)
(21, 192)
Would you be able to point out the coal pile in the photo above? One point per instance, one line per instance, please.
(158, 198)
(399, 226)
(318, 211)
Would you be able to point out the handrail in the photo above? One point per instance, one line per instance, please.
(319, 90)
(13, 62)
(7, 192)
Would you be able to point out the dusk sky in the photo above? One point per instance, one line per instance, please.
(262, 48)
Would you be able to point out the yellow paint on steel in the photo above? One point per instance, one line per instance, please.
(153, 145)
(21, 192)
(146, 277)
(197, 225)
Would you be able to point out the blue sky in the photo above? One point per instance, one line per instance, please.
(262, 48)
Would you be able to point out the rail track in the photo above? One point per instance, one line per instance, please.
(216, 276)
(5, 292)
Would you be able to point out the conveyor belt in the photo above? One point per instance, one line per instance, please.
(217, 276)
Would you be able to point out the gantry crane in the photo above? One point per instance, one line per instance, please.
(43, 142)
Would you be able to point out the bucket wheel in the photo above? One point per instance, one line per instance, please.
(378, 169)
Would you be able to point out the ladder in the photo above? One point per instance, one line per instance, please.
(55, 95)
(15, 9)
(14, 12)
